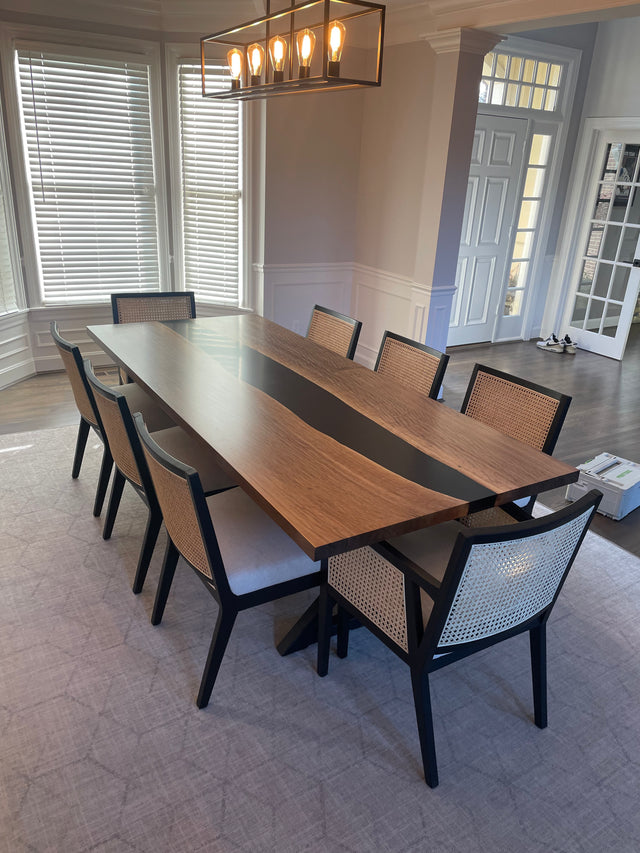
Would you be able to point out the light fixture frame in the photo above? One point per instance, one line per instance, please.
(319, 83)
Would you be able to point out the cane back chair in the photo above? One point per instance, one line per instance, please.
(147, 306)
(516, 407)
(115, 409)
(143, 307)
(413, 364)
(89, 415)
(334, 331)
(441, 594)
(242, 557)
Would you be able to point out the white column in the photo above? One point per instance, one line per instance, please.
(459, 58)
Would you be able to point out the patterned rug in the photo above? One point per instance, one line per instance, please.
(103, 749)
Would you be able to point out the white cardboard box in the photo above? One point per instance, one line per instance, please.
(617, 479)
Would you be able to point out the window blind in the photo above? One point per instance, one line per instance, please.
(87, 128)
(211, 168)
(7, 285)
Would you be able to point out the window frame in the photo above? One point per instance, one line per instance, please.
(175, 54)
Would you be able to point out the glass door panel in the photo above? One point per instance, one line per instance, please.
(609, 269)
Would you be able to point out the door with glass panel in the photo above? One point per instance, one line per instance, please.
(608, 269)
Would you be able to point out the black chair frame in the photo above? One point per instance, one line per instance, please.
(85, 426)
(229, 604)
(423, 640)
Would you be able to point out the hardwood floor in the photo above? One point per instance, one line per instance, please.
(604, 414)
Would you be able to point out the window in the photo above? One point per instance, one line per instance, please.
(521, 82)
(210, 191)
(527, 224)
(89, 153)
(7, 285)
(10, 273)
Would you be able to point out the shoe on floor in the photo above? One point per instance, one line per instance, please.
(552, 344)
(569, 345)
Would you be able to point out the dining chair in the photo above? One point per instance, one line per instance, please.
(518, 408)
(89, 415)
(243, 558)
(335, 331)
(443, 593)
(411, 363)
(116, 411)
(145, 306)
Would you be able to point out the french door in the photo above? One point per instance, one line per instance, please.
(607, 272)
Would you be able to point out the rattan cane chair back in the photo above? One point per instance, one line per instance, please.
(506, 582)
(518, 408)
(412, 364)
(113, 410)
(146, 307)
(334, 331)
(74, 367)
(175, 486)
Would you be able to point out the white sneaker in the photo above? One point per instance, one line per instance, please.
(552, 344)
(569, 345)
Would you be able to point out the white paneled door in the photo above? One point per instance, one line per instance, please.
(607, 275)
(492, 195)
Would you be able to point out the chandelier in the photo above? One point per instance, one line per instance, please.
(314, 46)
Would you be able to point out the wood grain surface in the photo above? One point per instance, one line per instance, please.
(328, 497)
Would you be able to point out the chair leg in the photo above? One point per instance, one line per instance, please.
(154, 523)
(114, 502)
(81, 443)
(538, 645)
(103, 480)
(164, 584)
(343, 632)
(325, 611)
(422, 700)
(221, 634)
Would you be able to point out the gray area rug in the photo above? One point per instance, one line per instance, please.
(102, 747)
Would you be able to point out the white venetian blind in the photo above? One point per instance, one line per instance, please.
(211, 167)
(7, 285)
(88, 140)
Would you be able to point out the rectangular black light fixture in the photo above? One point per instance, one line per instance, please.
(314, 46)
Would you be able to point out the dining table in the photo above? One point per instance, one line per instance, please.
(338, 455)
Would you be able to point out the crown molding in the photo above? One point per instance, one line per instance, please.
(463, 40)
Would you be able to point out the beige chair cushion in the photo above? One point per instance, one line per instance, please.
(139, 401)
(255, 551)
(177, 443)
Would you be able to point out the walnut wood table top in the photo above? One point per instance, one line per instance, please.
(338, 455)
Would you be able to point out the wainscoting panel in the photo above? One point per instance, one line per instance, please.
(384, 301)
(72, 322)
(291, 291)
(16, 360)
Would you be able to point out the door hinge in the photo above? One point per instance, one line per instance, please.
(636, 262)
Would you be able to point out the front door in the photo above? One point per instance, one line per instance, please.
(608, 272)
(492, 195)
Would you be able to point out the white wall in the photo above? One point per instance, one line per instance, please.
(613, 88)
(311, 192)
(394, 131)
